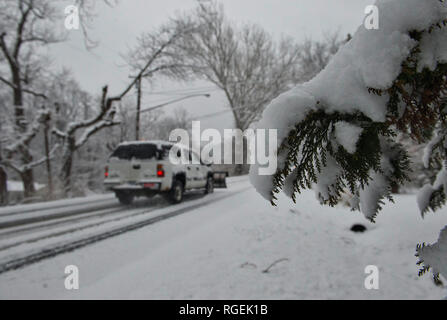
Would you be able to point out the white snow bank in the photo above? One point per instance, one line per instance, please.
(17, 186)
(371, 59)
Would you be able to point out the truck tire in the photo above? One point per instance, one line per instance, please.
(209, 188)
(125, 198)
(175, 195)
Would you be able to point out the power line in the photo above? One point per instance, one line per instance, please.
(165, 99)
(213, 114)
(207, 95)
(192, 90)
(183, 91)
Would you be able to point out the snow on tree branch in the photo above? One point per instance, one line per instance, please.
(363, 85)
(380, 83)
(24, 167)
(42, 117)
(93, 129)
(23, 141)
(434, 257)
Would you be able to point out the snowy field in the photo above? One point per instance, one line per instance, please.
(220, 251)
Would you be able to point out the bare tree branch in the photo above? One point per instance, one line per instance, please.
(36, 94)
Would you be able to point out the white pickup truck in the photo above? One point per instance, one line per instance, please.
(144, 169)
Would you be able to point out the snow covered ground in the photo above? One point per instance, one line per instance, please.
(220, 251)
(17, 186)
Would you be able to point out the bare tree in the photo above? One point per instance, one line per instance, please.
(86, 10)
(244, 62)
(24, 25)
(77, 133)
(159, 47)
(249, 67)
(153, 55)
(155, 124)
(125, 131)
(315, 55)
(126, 116)
(261, 70)
(163, 126)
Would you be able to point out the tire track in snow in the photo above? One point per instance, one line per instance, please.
(80, 228)
(71, 246)
(17, 212)
(68, 213)
(76, 218)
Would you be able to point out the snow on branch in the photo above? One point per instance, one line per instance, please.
(93, 129)
(434, 256)
(23, 168)
(376, 84)
(163, 40)
(337, 131)
(24, 140)
(433, 196)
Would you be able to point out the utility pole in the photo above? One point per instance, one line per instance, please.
(137, 118)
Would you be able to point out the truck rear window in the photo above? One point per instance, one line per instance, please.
(138, 151)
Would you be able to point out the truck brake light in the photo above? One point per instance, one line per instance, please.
(160, 171)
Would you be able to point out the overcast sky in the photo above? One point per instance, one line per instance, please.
(116, 29)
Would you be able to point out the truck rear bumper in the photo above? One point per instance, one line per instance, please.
(143, 186)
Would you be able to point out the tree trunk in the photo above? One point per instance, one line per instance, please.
(66, 172)
(241, 168)
(18, 101)
(3, 187)
(21, 125)
(27, 175)
(67, 164)
(28, 183)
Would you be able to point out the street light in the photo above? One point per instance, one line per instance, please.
(139, 111)
(207, 95)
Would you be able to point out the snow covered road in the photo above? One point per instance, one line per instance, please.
(51, 230)
(227, 249)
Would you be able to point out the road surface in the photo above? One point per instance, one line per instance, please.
(32, 233)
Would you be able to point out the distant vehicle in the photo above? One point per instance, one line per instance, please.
(144, 169)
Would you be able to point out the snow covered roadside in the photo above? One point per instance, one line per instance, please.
(219, 252)
(56, 204)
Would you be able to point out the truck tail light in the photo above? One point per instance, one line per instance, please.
(106, 172)
(160, 171)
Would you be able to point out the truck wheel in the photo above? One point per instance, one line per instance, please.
(176, 193)
(209, 188)
(125, 198)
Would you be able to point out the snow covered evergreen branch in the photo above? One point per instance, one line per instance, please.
(337, 131)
